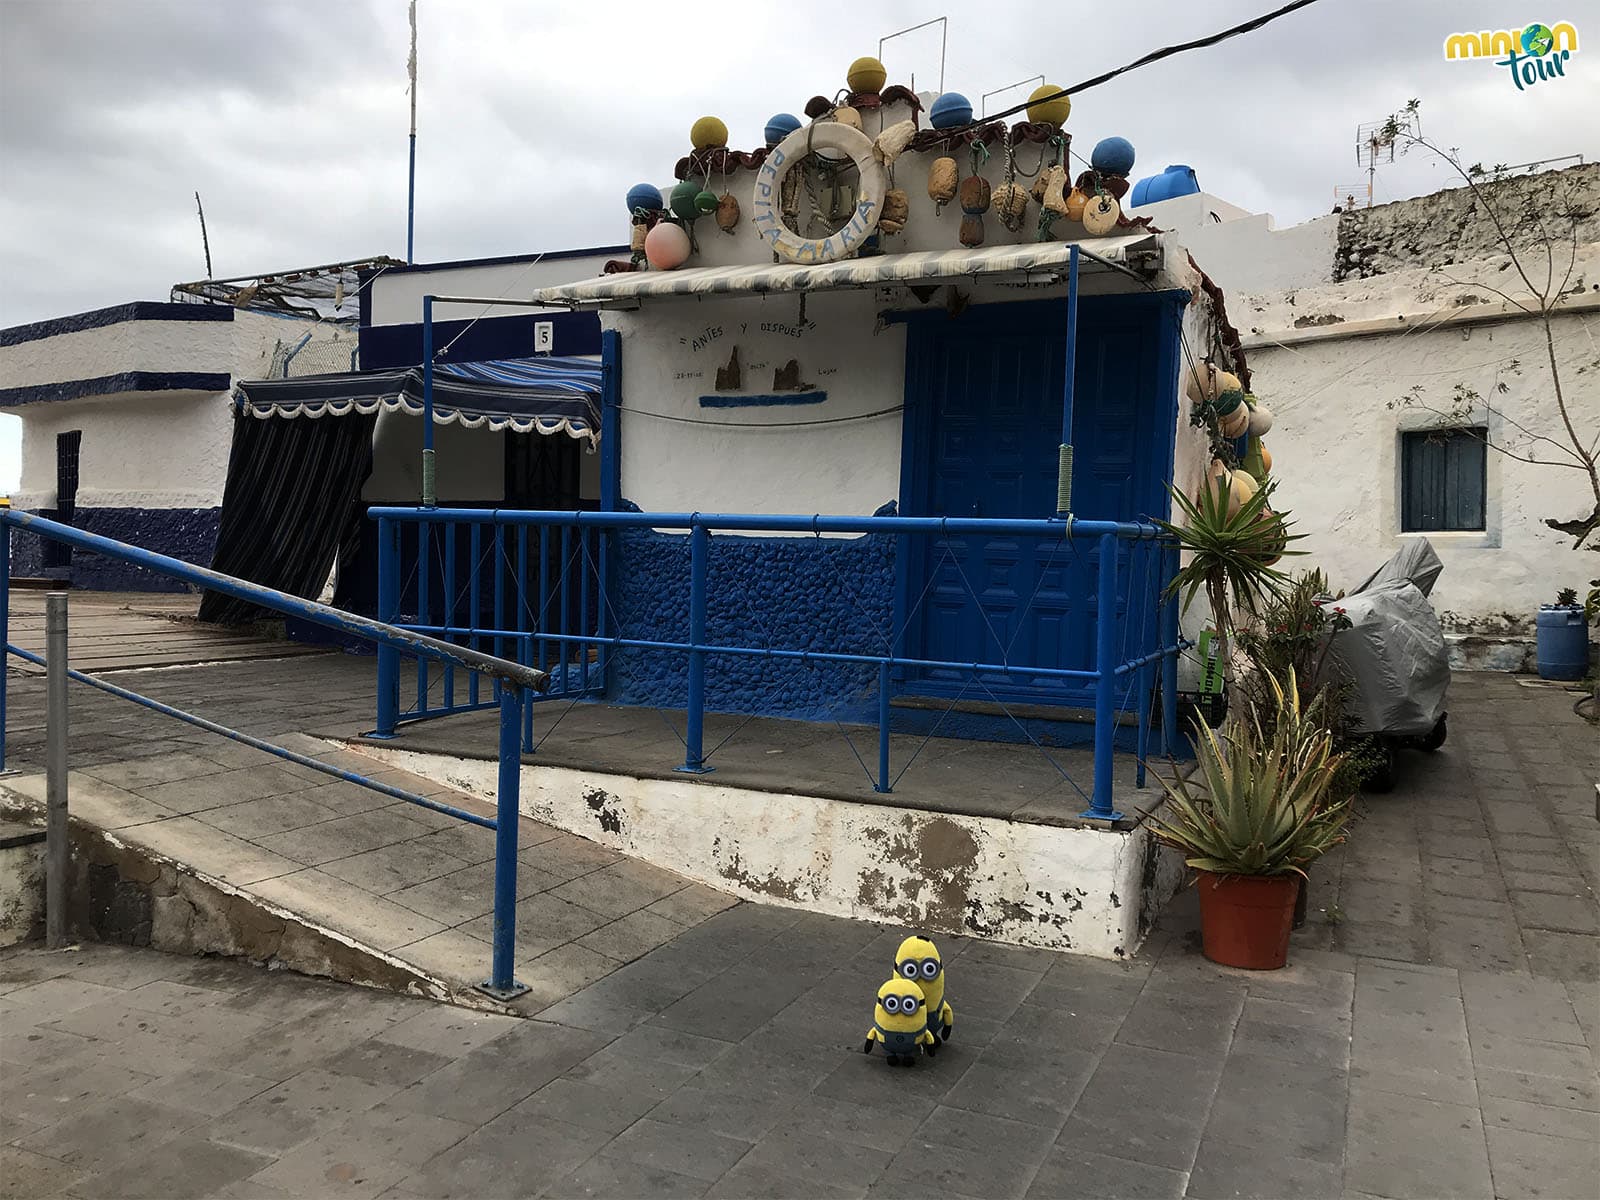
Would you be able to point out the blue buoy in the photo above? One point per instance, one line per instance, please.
(645, 196)
(1112, 156)
(780, 127)
(950, 110)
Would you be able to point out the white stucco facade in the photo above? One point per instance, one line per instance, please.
(142, 449)
(397, 294)
(1091, 891)
(1341, 318)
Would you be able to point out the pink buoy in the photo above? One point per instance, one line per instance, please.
(666, 246)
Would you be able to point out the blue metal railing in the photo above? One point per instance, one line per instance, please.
(512, 681)
(423, 587)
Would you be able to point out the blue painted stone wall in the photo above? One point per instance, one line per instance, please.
(833, 594)
(186, 533)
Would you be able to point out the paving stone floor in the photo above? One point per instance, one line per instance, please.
(1435, 1035)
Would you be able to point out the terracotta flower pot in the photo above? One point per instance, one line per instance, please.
(1245, 920)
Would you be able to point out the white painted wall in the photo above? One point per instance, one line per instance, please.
(143, 449)
(397, 295)
(113, 349)
(1035, 885)
(1336, 451)
(742, 459)
(140, 450)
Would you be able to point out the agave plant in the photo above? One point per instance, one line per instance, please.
(1257, 805)
(1229, 554)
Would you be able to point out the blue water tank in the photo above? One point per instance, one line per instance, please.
(1174, 181)
(1563, 642)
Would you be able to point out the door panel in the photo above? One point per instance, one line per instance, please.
(983, 423)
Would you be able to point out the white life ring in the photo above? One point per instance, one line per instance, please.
(826, 135)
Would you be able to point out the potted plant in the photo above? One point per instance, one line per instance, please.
(1253, 816)
(1563, 638)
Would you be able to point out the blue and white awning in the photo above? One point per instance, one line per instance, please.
(528, 395)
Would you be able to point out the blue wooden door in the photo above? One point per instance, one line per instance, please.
(984, 395)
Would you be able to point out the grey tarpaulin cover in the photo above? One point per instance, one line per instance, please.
(1395, 651)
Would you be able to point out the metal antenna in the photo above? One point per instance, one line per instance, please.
(983, 102)
(204, 240)
(944, 37)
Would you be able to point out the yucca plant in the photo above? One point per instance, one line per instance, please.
(1229, 555)
(1258, 804)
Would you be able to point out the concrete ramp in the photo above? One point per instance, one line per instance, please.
(227, 850)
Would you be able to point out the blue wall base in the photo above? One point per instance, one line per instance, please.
(186, 533)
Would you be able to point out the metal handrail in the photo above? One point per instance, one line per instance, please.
(392, 640)
(1109, 673)
(325, 615)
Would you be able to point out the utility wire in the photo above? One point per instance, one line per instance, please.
(1154, 56)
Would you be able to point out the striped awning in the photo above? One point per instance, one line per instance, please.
(529, 395)
(918, 267)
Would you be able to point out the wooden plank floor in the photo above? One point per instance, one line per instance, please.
(119, 631)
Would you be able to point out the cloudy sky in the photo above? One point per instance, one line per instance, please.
(290, 116)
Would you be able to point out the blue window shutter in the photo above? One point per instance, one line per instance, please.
(1442, 476)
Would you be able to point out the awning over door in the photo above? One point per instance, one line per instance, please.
(918, 267)
(530, 395)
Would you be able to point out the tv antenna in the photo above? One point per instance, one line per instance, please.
(1374, 144)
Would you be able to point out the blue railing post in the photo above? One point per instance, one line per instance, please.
(1105, 701)
(1064, 452)
(1143, 677)
(5, 631)
(883, 728)
(694, 733)
(388, 612)
(502, 981)
(430, 495)
(1170, 634)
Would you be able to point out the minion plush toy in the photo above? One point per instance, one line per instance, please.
(898, 1021)
(917, 960)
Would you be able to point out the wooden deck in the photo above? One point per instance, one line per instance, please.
(120, 631)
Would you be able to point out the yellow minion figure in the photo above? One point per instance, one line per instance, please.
(917, 960)
(899, 1023)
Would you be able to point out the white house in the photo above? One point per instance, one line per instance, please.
(1360, 326)
(127, 422)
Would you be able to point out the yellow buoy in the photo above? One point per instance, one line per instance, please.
(866, 74)
(708, 132)
(1048, 112)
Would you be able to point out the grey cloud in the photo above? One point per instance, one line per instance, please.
(290, 115)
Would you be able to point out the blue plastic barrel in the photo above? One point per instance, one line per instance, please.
(1176, 180)
(1563, 643)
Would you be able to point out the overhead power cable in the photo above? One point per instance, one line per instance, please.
(1154, 56)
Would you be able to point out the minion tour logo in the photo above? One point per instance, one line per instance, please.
(1532, 54)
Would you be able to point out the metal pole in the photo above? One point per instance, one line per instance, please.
(5, 631)
(502, 983)
(57, 852)
(430, 497)
(694, 734)
(411, 173)
(1169, 664)
(1105, 728)
(388, 612)
(1064, 453)
(883, 728)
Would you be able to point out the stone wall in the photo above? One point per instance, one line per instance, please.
(1450, 227)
